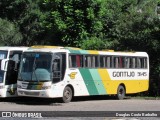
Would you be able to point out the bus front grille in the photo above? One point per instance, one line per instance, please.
(31, 93)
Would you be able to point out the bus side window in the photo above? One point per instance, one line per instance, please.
(138, 63)
(79, 60)
(88, 61)
(134, 62)
(72, 61)
(102, 61)
(116, 62)
(145, 62)
(108, 61)
(131, 63)
(94, 61)
(119, 62)
(127, 62)
(122, 62)
(75, 61)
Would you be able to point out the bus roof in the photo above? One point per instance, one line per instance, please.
(13, 48)
(74, 50)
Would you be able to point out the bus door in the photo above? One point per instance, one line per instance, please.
(58, 67)
(12, 72)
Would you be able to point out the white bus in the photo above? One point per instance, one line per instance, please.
(9, 64)
(51, 72)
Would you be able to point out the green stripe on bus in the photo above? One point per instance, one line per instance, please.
(83, 51)
(88, 81)
(97, 81)
(74, 51)
(78, 51)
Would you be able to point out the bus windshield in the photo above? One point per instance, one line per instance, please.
(35, 67)
(3, 55)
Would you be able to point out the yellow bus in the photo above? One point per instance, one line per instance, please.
(65, 72)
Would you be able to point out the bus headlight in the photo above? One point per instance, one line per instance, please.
(46, 87)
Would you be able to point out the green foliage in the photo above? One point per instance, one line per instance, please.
(9, 33)
(93, 44)
(27, 15)
(75, 20)
(138, 29)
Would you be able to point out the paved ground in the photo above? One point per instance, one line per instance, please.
(115, 109)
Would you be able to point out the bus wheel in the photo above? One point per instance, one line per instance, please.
(67, 95)
(121, 92)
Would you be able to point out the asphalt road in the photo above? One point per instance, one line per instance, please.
(79, 106)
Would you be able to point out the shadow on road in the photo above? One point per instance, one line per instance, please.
(32, 101)
(54, 102)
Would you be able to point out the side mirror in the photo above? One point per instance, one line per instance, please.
(4, 64)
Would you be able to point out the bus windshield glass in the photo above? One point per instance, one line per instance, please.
(3, 55)
(35, 67)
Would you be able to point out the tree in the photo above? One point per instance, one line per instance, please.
(75, 20)
(27, 15)
(9, 33)
(136, 29)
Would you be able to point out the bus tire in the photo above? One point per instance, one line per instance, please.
(121, 92)
(67, 95)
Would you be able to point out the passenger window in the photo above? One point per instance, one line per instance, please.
(95, 62)
(139, 63)
(72, 61)
(119, 62)
(108, 61)
(75, 61)
(88, 61)
(127, 62)
(115, 62)
(142, 63)
(102, 61)
(91, 61)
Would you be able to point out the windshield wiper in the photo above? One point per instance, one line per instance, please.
(34, 67)
(35, 75)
